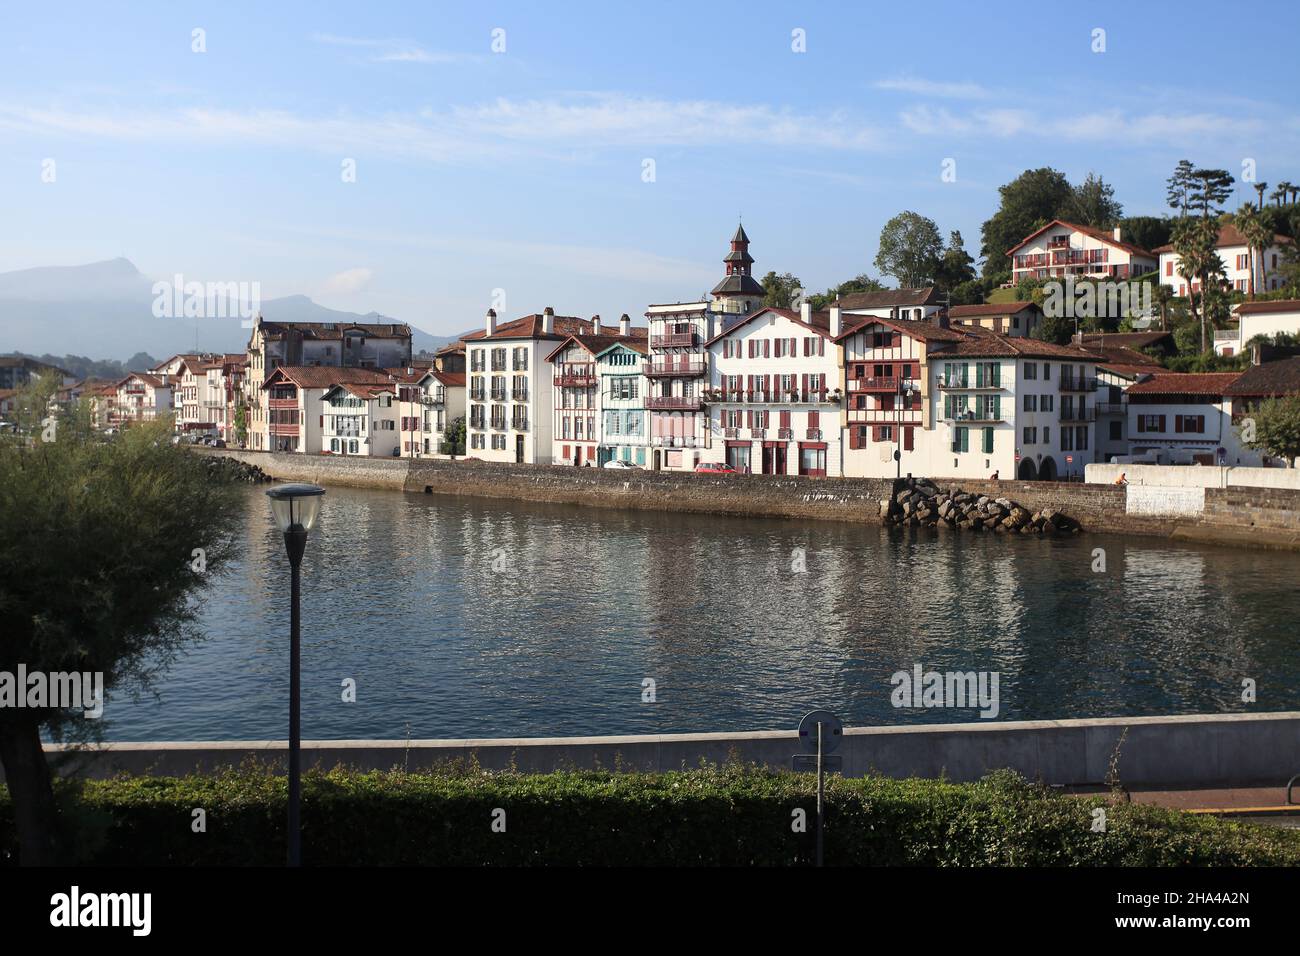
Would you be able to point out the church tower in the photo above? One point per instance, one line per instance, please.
(738, 291)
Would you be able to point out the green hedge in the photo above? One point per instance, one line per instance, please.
(724, 815)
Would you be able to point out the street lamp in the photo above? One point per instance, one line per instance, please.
(295, 508)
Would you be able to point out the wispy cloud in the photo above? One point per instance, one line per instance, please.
(498, 128)
(349, 281)
(1114, 126)
(393, 50)
(935, 88)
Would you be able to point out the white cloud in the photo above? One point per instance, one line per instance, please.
(909, 84)
(1113, 126)
(349, 281)
(571, 123)
(393, 50)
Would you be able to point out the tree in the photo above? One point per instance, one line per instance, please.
(103, 547)
(1259, 188)
(1029, 202)
(1277, 427)
(1180, 186)
(1161, 294)
(1054, 328)
(1147, 232)
(1093, 203)
(1194, 243)
(910, 248)
(1211, 189)
(1286, 192)
(455, 442)
(859, 283)
(956, 266)
(1257, 235)
(780, 291)
(241, 424)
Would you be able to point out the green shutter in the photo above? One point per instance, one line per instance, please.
(979, 374)
(997, 374)
(947, 406)
(997, 407)
(988, 441)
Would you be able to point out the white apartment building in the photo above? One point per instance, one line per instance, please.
(292, 397)
(428, 402)
(1238, 264)
(142, 397)
(1008, 318)
(774, 394)
(1063, 248)
(623, 369)
(1258, 318)
(510, 393)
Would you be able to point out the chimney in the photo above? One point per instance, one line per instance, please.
(1077, 339)
(835, 319)
(595, 325)
(1117, 233)
(548, 320)
(940, 318)
(805, 312)
(624, 325)
(490, 326)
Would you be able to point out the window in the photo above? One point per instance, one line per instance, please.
(1116, 431)
(1031, 371)
(961, 439)
(1047, 371)
(1189, 423)
(1046, 403)
(988, 440)
(1030, 435)
(1151, 423)
(1031, 403)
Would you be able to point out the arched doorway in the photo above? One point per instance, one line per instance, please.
(1047, 470)
(1027, 471)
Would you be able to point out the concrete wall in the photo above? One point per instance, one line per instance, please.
(1253, 517)
(1202, 750)
(1195, 476)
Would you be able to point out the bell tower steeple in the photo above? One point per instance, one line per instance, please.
(738, 291)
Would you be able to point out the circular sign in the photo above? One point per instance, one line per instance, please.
(832, 731)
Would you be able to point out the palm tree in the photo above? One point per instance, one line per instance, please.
(1162, 295)
(1255, 231)
(1259, 188)
(1281, 192)
(1291, 191)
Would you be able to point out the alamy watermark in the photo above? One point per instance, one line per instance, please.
(1096, 300)
(60, 690)
(206, 300)
(922, 688)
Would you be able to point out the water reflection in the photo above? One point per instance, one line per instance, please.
(461, 618)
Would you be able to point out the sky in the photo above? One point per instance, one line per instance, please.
(593, 157)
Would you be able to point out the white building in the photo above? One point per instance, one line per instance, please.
(1258, 318)
(1063, 248)
(1186, 418)
(142, 397)
(292, 399)
(895, 304)
(1237, 264)
(360, 418)
(510, 392)
(624, 422)
(1008, 318)
(774, 393)
(429, 402)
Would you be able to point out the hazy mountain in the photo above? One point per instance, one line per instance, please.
(105, 309)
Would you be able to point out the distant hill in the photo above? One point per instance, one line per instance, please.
(105, 309)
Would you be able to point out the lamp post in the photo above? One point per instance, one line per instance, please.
(295, 508)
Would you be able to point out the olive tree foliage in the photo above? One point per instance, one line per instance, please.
(106, 545)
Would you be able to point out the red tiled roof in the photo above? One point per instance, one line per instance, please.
(323, 376)
(891, 298)
(989, 308)
(530, 327)
(1229, 235)
(820, 322)
(1099, 234)
(1185, 383)
(595, 344)
(1268, 380)
(1263, 308)
(981, 342)
(920, 329)
(450, 379)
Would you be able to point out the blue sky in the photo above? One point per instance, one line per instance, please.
(522, 170)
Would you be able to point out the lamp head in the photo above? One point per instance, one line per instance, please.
(295, 506)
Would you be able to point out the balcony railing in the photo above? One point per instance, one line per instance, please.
(785, 434)
(477, 395)
(814, 434)
(283, 402)
(278, 428)
(519, 394)
(1112, 408)
(674, 340)
(972, 416)
(731, 433)
(498, 394)
(575, 376)
(967, 384)
(875, 383)
(678, 369)
(777, 397)
(1076, 383)
(758, 434)
(686, 403)
(1079, 414)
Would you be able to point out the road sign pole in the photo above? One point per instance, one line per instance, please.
(820, 778)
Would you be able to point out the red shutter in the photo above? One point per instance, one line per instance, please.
(814, 419)
(1178, 423)
(749, 418)
(767, 386)
(785, 419)
(821, 345)
(767, 348)
(907, 438)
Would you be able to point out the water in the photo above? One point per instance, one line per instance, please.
(460, 618)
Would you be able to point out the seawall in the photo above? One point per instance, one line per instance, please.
(1234, 515)
(1198, 750)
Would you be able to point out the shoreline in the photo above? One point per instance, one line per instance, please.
(1237, 517)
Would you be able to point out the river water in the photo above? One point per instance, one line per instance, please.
(464, 618)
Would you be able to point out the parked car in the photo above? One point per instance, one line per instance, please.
(715, 468)
(621, 465)
(218, 443)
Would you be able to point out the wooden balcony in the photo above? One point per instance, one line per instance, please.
(674, 340)
(813, 434)
(968, 385)
(684, 369)
(575, 376)
(875, 383)
(283, 430)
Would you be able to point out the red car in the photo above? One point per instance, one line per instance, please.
(709, 468)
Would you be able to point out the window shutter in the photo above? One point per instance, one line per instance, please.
(997, 406)
(814, 419)
(908, 441)
(767, 348)
(1178, 423)
(988, 441)
(997, 373)
(785, 419)
(749, 418)
(947, 406)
